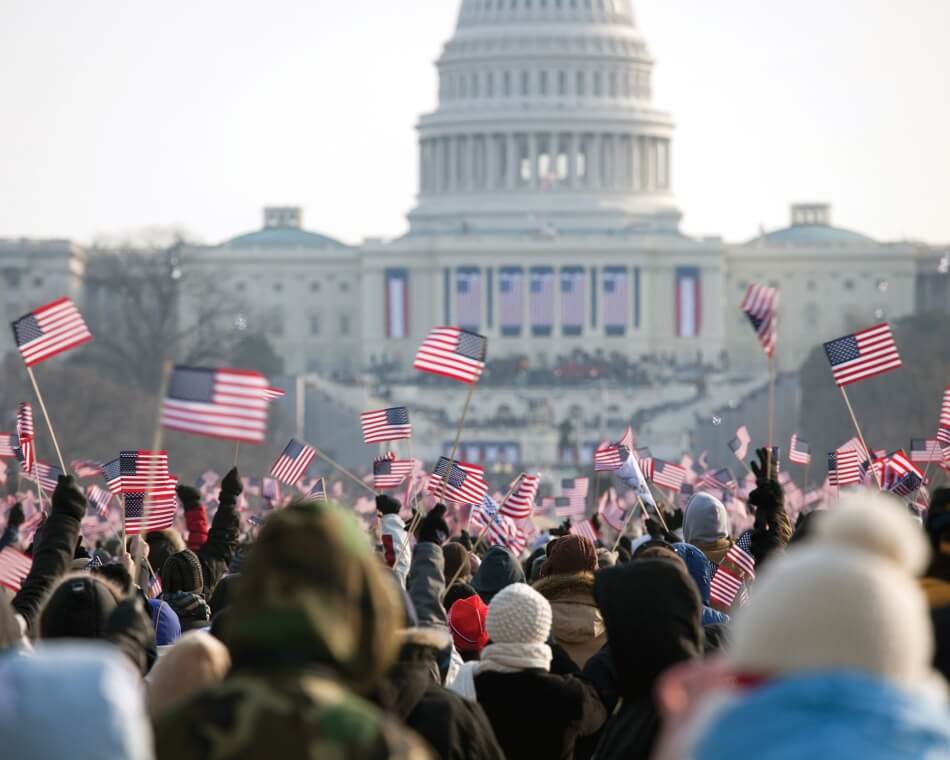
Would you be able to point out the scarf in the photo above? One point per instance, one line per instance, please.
(500, 658)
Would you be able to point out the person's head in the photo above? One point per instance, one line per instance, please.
(457, 591)
(165, 622)
(845, 599)
(467, 625)
(78, 607)
(656, 548)
(224, 592)
(73, 699)
(182, 573)
(162, 544)
(938, 533)
(312, 593)
(705, 521)
(498, 569)
(653, 614)
(519, 615)
(457, 563)
(197, 661)
(570, 554)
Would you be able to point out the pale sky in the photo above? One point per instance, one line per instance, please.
(118, 115)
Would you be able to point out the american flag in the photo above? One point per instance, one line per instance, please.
(99, 498)
(586, 529)
(85, 468)
(576, 491)
(740, 444)
(573, 300)
(46, 474)
(900, 475)
(542, 300)
(736, 567)
(863, 354)
(219, 403)
(616, 297)
(50, 330)
(864, 456)
(389, 472)
(520, 504)
(761, 307)
(154, 586)
(468, 297)
(454, 353)
(293, 462)
(799, 451)
(386, 425)
(717, 480)
(141, 470)
(30, 524)
(9, 443)
(270, 489)
(613, 457)
(498, 529)
(926, 450)
(843, 467)
(611, 510)
(150, 511)
(112, 472)
(319, 491)
(463, 483)
(272, 394)
(568, 507)
(667, 475)
(511, 300)
(14, 567)
(24, 430)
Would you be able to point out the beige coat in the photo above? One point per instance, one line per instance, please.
(578, 625)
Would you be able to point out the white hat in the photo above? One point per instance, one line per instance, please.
(519, 615)
(846, 599)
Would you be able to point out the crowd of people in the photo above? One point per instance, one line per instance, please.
(309, 636)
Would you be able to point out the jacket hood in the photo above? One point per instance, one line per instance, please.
(499, 569)
(577, 618)
(699, 567)
(333, 608)
(705, 521)
(653, 615)
(88, 688)
(835, 714)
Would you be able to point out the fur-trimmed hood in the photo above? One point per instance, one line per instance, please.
(578, 624)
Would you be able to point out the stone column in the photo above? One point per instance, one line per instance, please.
(490, 158)
(533, 154)
(572, 150)
(512, 178)
(593, 163)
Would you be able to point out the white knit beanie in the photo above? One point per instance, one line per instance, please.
(845, 599)
(518, 615)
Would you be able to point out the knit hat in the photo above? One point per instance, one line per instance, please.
(78, 608)
(570, 554)
(165, 621)
(706, 520)
(845, 599)
(499, 569)
(467, 624)
(519, 615)
(456, 591)
(182, 572)
(456, 557)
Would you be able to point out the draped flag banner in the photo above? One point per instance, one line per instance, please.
(760, 305)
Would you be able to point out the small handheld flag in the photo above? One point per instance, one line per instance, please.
(740, 444)
(14, 567)
(386, 425)
(49, 331)
(389, 472)
(520, 504)
(863, 354)
(799, 450)
(293, 462)
(463, 483)
(453, 353)
(760, 306)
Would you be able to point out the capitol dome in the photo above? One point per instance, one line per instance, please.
(545, 121)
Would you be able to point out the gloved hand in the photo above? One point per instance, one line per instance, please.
(231, 488)
(656, 530)
(387, 505)
(15, 516)
(68, 499)
(766, 469)
(433, 528)
(189, 496)
(563, 529)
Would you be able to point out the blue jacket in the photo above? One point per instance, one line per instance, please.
(701, 570)
(834, 714)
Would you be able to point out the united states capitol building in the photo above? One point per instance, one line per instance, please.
(546, 219)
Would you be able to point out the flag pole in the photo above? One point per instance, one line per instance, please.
(626, 521)
(336, 465)
(458, 437)
(158, 434)
(237, 452)
(771, 402)
(857, 427)
(49, 425)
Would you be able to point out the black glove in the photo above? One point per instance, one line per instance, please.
(433, 528)
(68, 499)
(766, 469)
(190, 497)
(231, 488)
(387, 505)
(563, 529)
(657, 531)
(15, 516)
(465, 540)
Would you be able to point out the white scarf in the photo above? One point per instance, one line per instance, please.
(500, 658)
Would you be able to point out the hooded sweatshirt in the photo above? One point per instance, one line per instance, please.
(706, 526)
(653, 615)
(75, 700)
(310, 632)
(499, 569)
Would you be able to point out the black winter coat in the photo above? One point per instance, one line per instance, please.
(536, 714)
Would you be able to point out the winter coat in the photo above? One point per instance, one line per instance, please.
(538, 715)
(217, 551)
(937, 591)
(578, 624)
(455, 728)
(834, 714)
(701, 569)
(394, 539)
(653, 615)
(310, 632)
